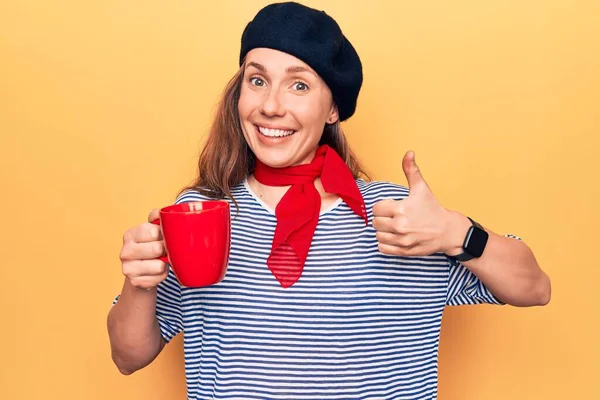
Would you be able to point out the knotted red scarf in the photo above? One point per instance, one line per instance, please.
(298, 211)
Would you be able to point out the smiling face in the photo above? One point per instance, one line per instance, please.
(283, 108)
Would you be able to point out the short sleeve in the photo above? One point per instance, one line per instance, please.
(168, 307)
(466, 288)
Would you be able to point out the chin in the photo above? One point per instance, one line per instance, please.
(275, 158)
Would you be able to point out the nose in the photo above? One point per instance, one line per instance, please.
(272, 106)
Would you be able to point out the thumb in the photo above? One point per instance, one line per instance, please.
(154, 215)
(416, 182)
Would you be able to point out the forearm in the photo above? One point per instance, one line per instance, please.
(508, 268)
(133, 329)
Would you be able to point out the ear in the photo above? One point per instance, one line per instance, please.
(334, 115)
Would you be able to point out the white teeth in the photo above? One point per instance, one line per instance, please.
(274, 132)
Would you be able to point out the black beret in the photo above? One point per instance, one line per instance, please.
(315, 38)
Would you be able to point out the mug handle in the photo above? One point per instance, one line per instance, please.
(164, 258)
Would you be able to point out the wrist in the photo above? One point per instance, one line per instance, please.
(140, 291)
(457, 227)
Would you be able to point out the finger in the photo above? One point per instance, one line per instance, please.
(142, 251)
(385, 208)
(390, 250)
(384, 224)
(394, 239)
(397, 250)
(146, 232)
(147, 282)
(413, 251)
(153, 216)
(415, 179)
(140, 268)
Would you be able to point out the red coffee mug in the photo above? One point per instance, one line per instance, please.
(197, 240)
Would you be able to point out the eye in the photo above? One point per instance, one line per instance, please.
(256, 81)
(300, 86)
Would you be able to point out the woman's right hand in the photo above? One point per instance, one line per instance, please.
(142, 247)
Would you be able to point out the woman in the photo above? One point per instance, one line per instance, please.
(335, 286)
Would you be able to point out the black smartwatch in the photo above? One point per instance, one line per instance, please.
(474, 244)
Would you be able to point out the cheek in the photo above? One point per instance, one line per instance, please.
(249, 101)
(244, 110)
(311, 113)
(243, 102)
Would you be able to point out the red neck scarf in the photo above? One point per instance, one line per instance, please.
(298, 211)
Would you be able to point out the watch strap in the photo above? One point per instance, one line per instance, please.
(465, 256)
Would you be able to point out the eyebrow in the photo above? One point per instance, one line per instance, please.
(288, 70)
(291, 70)
(257, 66)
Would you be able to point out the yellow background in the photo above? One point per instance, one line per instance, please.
(103, 106)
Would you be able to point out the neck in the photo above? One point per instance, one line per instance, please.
(271, 195)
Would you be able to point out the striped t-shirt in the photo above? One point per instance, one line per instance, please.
(358, 324)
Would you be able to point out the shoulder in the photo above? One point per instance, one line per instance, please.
(375, 191)
(190, 195)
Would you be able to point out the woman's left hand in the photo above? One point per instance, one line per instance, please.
(418, 225)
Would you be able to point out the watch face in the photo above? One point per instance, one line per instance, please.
(476, 241)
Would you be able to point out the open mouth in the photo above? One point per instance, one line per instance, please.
(274, 133)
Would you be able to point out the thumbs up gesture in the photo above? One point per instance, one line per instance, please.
(417, 225)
